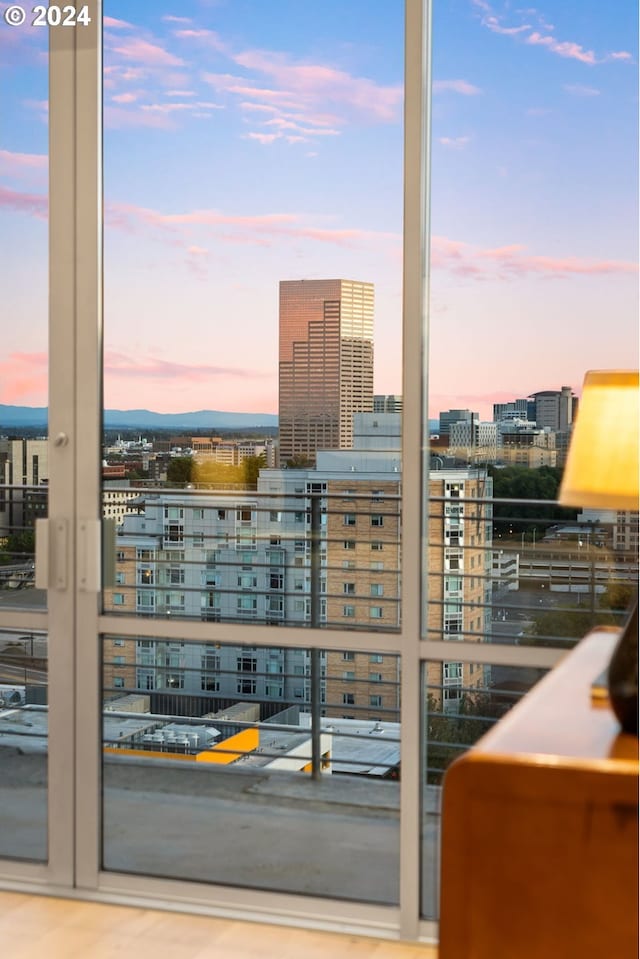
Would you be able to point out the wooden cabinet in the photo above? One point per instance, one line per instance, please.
(540, 827)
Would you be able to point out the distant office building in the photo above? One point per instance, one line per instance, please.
(524, 409)
(326, 363)
(554, 409)
(448, 417)
(521, 444)
(391, 403)
(476, 441)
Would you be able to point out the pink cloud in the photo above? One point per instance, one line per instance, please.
(120, 365)
(117, 118)
(456, 86)
(21, 164)
(265, 138)
(148, 54)
(24, 379)
(318, 82)
(207, 37)
(33, 204)
(170, 19)
(179, 93)
(114, 24)
(508, 262)
(563, 48)
(621, 55)
(259, 230)
(125, 98)
(495, 26)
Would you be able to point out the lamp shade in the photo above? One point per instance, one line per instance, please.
(602, 464)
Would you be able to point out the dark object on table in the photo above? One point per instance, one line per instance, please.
(623, 675)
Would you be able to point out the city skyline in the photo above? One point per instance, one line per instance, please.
(280, 146)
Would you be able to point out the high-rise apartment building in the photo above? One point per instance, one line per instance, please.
(326, 363)
(554, 409)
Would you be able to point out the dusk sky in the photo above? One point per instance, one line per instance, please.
(249, 141)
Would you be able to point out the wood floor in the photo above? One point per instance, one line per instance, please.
(38, 927)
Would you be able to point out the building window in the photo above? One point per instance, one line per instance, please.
(222, 514)
(118, 682)
(376, 545)
(375, 612)
(118, 642)
(197, 513)
(376, 658)
(348, 657)
(247, 604)
(376, 589)
(118, 599)
(375, 677)
(247, 581)
(246, 686)
(349, 544)
(120, 579)
(175, 600)
(348, 699)
(375, 700)
(349, 675)
(349, 588)
(198, 539)
(377, 519)
(175, 576)
(349, 519)
(349, 611)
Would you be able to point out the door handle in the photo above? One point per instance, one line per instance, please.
(52, 543)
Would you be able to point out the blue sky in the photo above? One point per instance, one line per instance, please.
(248, 141)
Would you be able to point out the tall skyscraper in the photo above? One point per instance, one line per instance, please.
(326, 363)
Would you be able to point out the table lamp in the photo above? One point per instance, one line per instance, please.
(602, 470)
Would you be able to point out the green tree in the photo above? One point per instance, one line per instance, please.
(18, 547)
(617, 596)
(180, 470)
(521, 483)
(251, 467)
(558, 626)
(299, 461)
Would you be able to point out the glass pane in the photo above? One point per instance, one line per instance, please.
(266, 767)
(23, 745)
(24, 471)
(271, 240)
(523, 271)
(462, 702)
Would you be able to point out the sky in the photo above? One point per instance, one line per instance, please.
(249, 141)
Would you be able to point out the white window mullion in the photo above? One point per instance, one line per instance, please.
(88, 367)
(415, 296)
(62, 446)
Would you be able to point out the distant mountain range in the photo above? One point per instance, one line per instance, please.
(35, 417)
